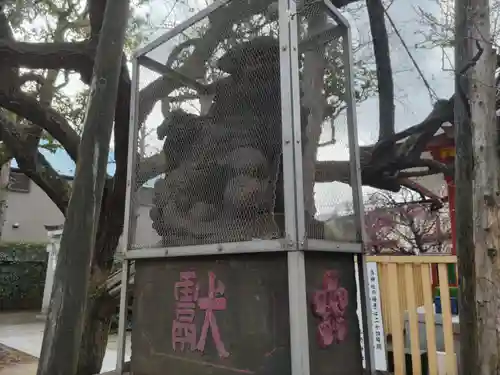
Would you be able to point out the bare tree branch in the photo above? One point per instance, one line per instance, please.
(415, 224)
(71, 56)
(45, 117)
(384, 69)
(35, 166)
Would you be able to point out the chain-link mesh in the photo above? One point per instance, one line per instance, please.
(216, 115)
(328, 197)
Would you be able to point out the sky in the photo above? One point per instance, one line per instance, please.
(64, 165)
(412, 97)
(412, 101)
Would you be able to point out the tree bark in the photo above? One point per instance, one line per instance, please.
(314, 101)
(65, 323)
(4, 182)
(486, 192)
(477, 163)
(464, 208)
(384, 70)
(98, 314)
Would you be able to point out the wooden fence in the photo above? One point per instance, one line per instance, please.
(406, 291)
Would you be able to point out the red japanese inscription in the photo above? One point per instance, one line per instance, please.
(214, 301)
(329, 304)
(183, 328)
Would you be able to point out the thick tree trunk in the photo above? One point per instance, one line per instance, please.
(486, 193)
(384, 69)
(65, 324)
(99, 312)
(4, 182)
(463, 206)
(100, 306)
(477, 164)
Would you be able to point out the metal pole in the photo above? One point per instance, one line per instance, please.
(296, 124)
(132, 157)
(122, 322)
(129, 211)
(287, 126)
(292, 176)
(357, 194)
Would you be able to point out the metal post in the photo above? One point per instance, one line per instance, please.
(296, 124)
(122, 322)
(299, 336)
(355, 166)
(132, 155)
(127, 235)
(287, 126)
(293, 186)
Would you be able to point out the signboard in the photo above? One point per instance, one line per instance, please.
(332, 321)
(375, 308)
(211, 315)
(230, 315)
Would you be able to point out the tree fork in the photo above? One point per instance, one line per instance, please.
(63, 330)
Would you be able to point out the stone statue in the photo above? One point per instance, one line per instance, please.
(226, 185)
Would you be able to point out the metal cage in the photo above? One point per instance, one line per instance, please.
(254, 157)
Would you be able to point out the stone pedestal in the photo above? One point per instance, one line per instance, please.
(230, 314)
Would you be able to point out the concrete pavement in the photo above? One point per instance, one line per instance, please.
(24, 332)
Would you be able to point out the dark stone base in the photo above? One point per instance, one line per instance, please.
(254, 323)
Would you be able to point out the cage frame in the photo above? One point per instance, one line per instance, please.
(296, 242)
(287, 243)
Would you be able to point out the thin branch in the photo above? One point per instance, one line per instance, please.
(384, 70)
(50, 120)
(432, 94)
(221, 24)
(70, 56)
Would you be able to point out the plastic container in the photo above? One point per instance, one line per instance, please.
(453, 303)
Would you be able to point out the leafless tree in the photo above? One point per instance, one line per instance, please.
(404, 223)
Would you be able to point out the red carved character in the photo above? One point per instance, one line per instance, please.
(214, 301)
(329, 304)
(183, 327)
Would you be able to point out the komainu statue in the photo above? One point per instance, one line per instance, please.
(226, 184)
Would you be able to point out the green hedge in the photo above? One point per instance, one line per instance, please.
(22, 275)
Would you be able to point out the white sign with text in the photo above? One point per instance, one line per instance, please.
(375, 309)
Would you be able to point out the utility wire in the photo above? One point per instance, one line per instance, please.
(432, 94)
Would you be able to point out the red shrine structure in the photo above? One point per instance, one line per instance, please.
(442, 149)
